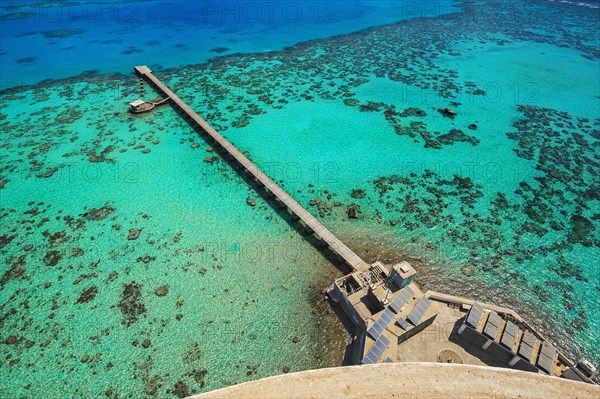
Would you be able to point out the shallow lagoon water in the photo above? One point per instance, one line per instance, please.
(507, 212)
(227, 287)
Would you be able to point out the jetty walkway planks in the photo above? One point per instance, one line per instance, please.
(313, 224)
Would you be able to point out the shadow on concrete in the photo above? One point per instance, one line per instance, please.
(472, 349)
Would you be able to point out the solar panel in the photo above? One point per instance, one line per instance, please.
(548, 350)
(546, 358)
(511, 328)
(475, 315)
(402, 323)
(381, 324)
(509, 333)
(477, 307)
(404, 296)
(494, 319)
(529, 338)
(508, 341)
(545, 362)
(526, 351)
(374, 354)
(366, 361)
(388, 360)
(508, 336)
(490, 330)
(419, 310)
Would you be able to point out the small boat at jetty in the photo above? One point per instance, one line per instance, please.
(141, 106)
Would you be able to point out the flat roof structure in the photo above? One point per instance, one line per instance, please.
(388, 314)
(137, 103)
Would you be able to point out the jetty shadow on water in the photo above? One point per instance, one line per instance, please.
(352, 352)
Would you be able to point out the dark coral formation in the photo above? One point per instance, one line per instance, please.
(16, 270)
(567, 185)
(134, 234)
(52, 258)
(99, 213)
(88, 295)
(131, 304)
(417, 128)
(162, 290)
(6, 239)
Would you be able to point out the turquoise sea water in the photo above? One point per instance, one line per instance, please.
(214, 291)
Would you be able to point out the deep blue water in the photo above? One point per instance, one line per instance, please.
(52, 40)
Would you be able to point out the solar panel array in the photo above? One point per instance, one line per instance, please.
(381, 324)
(475, 315)
(402, 323)
(403, 297)
(546, 358)
(374, 354)
(419, 310)
(509, 335)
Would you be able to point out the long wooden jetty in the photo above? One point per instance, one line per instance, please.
(295, 208)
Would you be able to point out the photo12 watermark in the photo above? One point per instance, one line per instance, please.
(75, 172)
(268, 12)
(61, 12)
